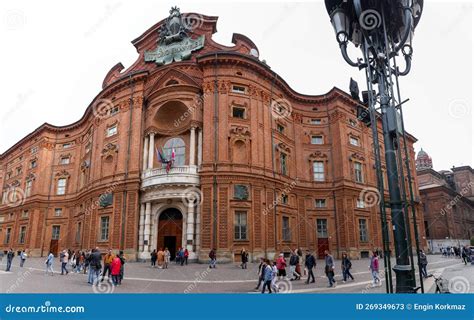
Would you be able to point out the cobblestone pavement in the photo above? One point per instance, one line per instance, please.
(197, 278)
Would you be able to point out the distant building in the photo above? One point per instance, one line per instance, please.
(448, 203)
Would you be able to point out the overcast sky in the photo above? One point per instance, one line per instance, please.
(55, 55)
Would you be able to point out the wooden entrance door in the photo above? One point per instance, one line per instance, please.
(323, 244)
(170, 230)
(53, 246)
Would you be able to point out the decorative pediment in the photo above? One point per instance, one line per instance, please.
(15, 183)
(239, 131)
(282, 147)
(172, 76)
(318, 155)
(62, 174)
(356, 156)
(109, 149)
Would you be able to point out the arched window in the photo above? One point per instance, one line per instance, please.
(179, 151)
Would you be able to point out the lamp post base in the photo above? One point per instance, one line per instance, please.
(405, 281)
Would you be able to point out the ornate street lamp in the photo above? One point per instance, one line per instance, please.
(383, 29)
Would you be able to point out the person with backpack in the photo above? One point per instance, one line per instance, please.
(281, 266)
(260, 273)
(213, 261)
(374, 268)
(10, 256)
(346, 266)
(329, 269)
(310, 263)
(294, 262)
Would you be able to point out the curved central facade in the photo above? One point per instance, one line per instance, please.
(196, 145)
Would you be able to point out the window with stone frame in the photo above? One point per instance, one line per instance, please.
(177, 144)
(317, 139)
(28, 187)
(240, 225)
(78, 232)
(318, 171)
(241, 192)
(65, 160)
(8, 234)
(283, 163)
(284, 198)
(61, 186)
(55, 232)
(363, 232)
(22, 235)
(286, 230)
(320, 203)
(239, 112)
(112, 130)
(104, 228)
(358, 175)
(322, 228)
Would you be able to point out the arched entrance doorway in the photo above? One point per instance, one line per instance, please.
(170, 230)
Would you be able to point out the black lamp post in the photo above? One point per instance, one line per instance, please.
(383, 29)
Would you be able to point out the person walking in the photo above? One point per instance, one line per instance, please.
(346, 266)
(64, 256)
(274, 276)
(122, 267)
(281, 266)
(167, 257)
(213, 257)
(267, 277)
(108, 258)
(310, 263)
(299, 253)
(78, 261)
(374, 268)
(260, 273)
(244, 256)
(49, 263)
(154, 257)
(95, 266)
(423, 264)
(23, 257)
(186, 256)
(160, 256)
(177, 258)
(10, 256)
(329, 268)
(465, 254)
(115, 270)
(294, 262)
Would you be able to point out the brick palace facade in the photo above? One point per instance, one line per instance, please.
(256, 164)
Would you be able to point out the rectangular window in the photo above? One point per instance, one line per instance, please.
(354, 141)
(24, 214)
(78, 233)
(61, 187)
(427, 229)
(316, 139)
(33, 164)
(283, 163)
(104, 228)
(111, 130)
(18, 171)
(241, 192)
(238, 112)
(114, 111)
(28, 186)
(360, 204)
(286, 232)
(240, 225)
(280, 128)
(322, 228)
(7, 236)
(64, 160)
(58, 212)
(320, 203)
(67, 145)
(238, 89)
(22, 236)
(318, 171)
(358, 172)
(55, 233)
(315, 121)
(363, 236)
(284, 199)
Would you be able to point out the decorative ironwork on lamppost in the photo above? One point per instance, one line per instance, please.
(383, 29)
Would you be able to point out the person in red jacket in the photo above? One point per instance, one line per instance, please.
(115, 269)
(281, 266)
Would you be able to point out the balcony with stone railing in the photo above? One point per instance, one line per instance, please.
(178, 175)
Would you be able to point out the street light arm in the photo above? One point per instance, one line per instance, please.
(407, 66)
(346, 57)
(408, 22)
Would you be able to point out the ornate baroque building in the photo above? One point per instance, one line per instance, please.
(448, 203)
(256, 164)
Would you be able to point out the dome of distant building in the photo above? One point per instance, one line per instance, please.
(423, 160)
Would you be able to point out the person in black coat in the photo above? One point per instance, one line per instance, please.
(310, 263)
(95, 265)
(346, 266)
